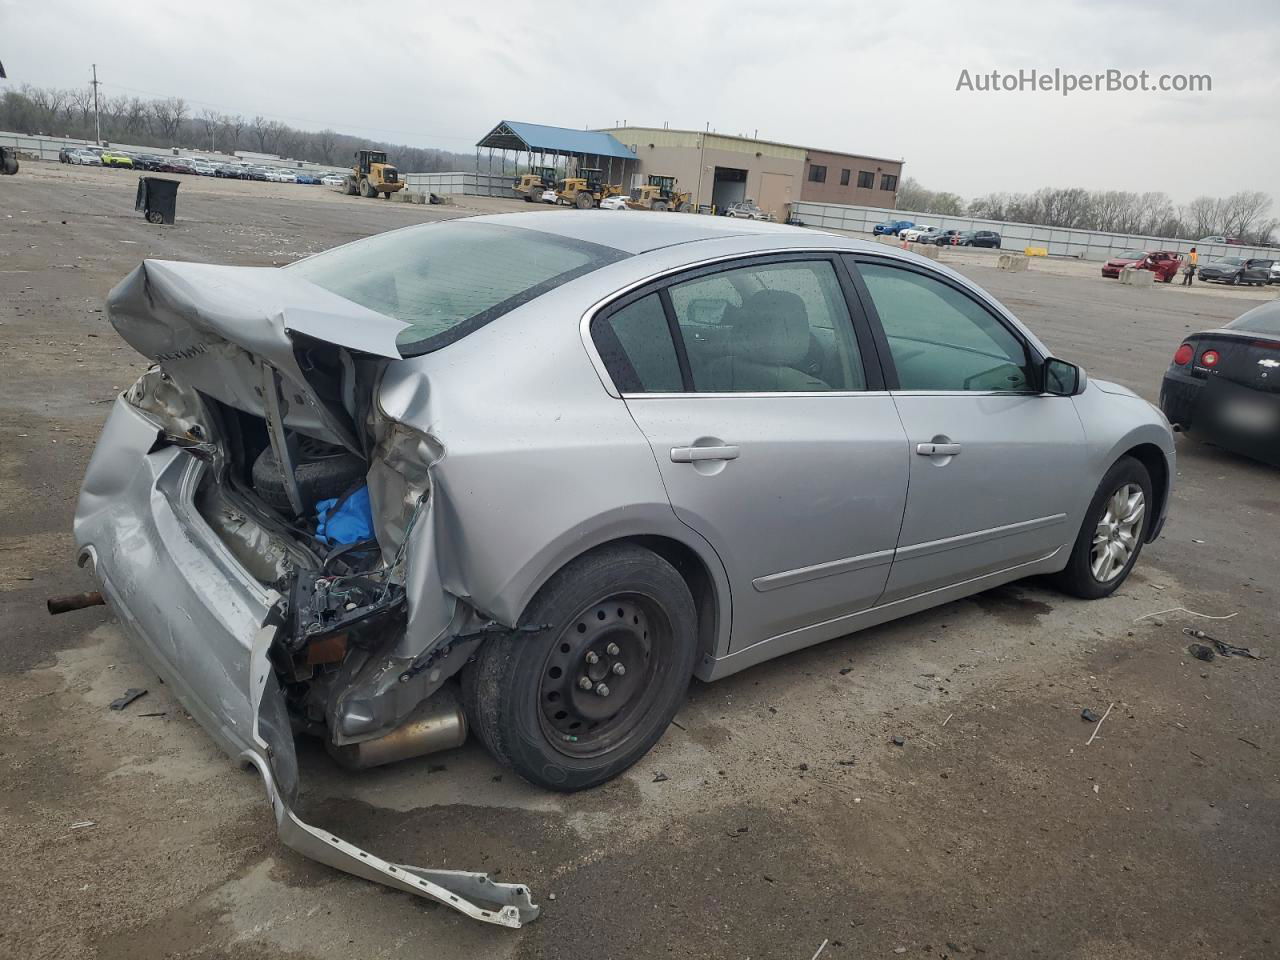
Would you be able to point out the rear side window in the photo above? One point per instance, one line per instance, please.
(635, 344)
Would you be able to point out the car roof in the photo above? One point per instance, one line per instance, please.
(643, 233)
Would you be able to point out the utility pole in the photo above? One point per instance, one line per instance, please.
(97, 118)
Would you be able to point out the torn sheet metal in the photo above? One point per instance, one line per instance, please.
(205, 625)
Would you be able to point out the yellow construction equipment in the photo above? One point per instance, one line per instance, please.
(587, 189)
(533, 184)
(371, 175)
(660, 193)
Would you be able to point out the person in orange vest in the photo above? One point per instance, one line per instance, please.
(1189, 270)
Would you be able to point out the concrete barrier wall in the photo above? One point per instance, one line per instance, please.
(1084, 244)
(461, 183)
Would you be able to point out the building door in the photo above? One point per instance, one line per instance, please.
(775, 194)
(730, 186)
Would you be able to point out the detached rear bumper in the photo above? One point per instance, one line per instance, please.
(206, 626)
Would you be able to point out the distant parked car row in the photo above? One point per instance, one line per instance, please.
(194, 166)
(917, 233)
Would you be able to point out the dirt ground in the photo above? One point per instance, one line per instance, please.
(787, 818)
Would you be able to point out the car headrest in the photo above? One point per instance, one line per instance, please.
(772, 327)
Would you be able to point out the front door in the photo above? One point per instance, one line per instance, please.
(771, 431)
(996, 466)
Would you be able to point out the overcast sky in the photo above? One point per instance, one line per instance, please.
(872, 78)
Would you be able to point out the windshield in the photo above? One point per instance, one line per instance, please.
(1230, 261)
(448, 279)
(1132, 255)
(1264, 319)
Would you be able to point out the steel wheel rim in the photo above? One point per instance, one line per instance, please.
(627, 629)
(1115, 539)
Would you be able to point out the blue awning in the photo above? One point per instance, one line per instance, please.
(537, 138)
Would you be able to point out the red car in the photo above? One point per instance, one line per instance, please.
(1163, 263)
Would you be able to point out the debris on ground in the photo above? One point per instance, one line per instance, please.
(899, 740)
(1224, 649)
(1160, 613)
(130, 695)
(1201, 652)
(1110, 707)
(660, 778)
(81, 824)
(1088, 715)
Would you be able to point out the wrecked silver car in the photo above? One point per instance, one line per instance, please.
(526, 475)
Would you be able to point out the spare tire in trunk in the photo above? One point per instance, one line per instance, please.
(322, 472)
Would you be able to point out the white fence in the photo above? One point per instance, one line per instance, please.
(461, 183)
(1084, 244)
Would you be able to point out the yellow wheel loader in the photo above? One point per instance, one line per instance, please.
(532, 185)
(372, 176)
(660, 193)
(586, 190)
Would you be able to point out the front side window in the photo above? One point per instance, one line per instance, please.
(449, 278)
(942, 340)
(779, 327)
(817, 173)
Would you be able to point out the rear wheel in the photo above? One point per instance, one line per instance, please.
(584, 200)
(686, 207)
(660, 205)
(366, 189)
(583, 699)
(1114, 530)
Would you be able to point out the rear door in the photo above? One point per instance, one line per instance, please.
(765, 409)
(995, 466)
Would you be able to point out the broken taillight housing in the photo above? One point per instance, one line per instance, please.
(399, 480)
(173, 408)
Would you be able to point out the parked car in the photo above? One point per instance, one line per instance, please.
(891, 227)
(979, 238)
(206, 168)
(183, 165)
(229, 171)
(614, 203)
(1238, 270)
(746, 209)
(1223, 385)
(148, 161)
(574, 571)
(921, 234)
(550, 196)
(254, 172)
(1163, 263)
(85, 158)
(1233, 241)
(333, 180)
(64, 154)
(113, 158)
(1275, 271)
(945, 238)
(303, 177)
(910, 234)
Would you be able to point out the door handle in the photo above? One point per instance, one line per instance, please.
(694, 454)
(937, 449)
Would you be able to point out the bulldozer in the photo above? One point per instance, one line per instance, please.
(587, 189)
(531, 185)
(660, 194)
(8, 160)
(371, 175)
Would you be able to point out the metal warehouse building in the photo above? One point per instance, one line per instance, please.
(720, 169)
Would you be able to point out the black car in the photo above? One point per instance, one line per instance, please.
(254, 173)
(230, 171)
(944, 238)
(1224, 385)
(979, 238)
(149, 161)
(1237, 270)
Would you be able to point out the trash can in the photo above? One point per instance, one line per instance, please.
(157, 199)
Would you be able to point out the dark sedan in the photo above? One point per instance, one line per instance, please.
(979, 238)
(1224, 385)
(1237, 270)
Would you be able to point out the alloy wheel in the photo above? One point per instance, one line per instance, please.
(1116, 537)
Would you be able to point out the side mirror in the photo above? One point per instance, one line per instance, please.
(1063, 379)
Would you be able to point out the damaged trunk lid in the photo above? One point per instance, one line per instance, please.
(262, 340)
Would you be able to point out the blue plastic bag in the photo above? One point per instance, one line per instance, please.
(350, 523)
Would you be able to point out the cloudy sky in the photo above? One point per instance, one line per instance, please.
(839, 74)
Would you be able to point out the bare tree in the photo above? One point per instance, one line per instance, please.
(261, 130)
(169, 115)
(211, 120)
(232, 126)
(82, 100)
(324, 142)
(135, 118)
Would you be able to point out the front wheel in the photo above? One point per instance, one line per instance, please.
(585, 697)
(1114, 530)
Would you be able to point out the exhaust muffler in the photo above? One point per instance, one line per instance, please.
(438, 723)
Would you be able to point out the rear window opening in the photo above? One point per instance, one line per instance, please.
(447, 279)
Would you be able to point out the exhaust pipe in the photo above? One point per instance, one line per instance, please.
(437, 723)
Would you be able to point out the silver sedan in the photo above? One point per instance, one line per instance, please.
(527, 475)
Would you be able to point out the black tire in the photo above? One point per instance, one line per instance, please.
(660, 205)
(1078, 578)
(516, 686)
(1235, 280)
(366, 190)
(324, 471)
(584, 200)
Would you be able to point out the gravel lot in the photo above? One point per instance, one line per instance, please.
(788, 817)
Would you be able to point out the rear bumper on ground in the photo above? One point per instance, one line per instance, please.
(206, 626)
